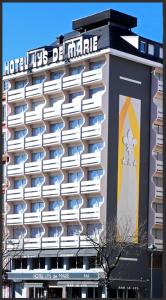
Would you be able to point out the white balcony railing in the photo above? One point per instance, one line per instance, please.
(50, 190)
(33, 116)
(51, 164)
(15, 145)
(159, 113)
(33, 167)
(14, 219)
(51, 138)
(33, 141)
(49, 242)
(52, 112)
(90, 213)
(70, 188)
(15, 120)
(160, 85)
(16, 95)
(15, 170)
(159, 139)
(14, 194)
(158, 218)
(158, 192)
(90, 186)
(159, 166)
(34, 90)
(50, 87)
(33, 192)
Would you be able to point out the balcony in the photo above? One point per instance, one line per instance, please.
(50, 216)
(90, 132)
(52, 112)
(71, 135)
(15, 170)
(68, 215)
(14, 194)
(159, 166)
(50, 191)
(158, 218)
(52, 86)
(159, 139)
(158, 243)
(90, 186)
(32, 218)
(15, 145)
(33, 116)
(159, 113)
(32, 193)
(51, 138)
(49, 242)
(15, 120)
(51, 165)
(158, 192)
(32, 142)
(90, 213)
(73, 80)
(159, 91)
(34, 90)
(70, 188)
(91, 76)
(33, 167)
(16, 95)
(14, 219)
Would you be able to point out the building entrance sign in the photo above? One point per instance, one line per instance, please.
(53, 276)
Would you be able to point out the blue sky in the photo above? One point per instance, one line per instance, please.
(30, 25)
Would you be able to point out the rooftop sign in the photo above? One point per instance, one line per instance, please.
(40, 57)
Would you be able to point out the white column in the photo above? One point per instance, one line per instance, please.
(85, 262)
(47, 263)
(66, 263)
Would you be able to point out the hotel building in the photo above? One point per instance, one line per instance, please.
(84, 145)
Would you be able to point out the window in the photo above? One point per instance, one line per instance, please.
(96, 65)
(55, 179)
(96, 147)
(37, 206)
(74, 177)
(4, 113)
(18, 134)
(54, 231)
(37, 156)
(56, 262)
(38, 263)
(73, 124)
(74, 203)
(19, 183)
(56, 127)
(37, 105)
(76, 262)
(98, 91)
(94, 120)
(37, 79)
(36, 232)
(95, 174)
(37, 130)
(19, 263)
(55, 101)
(55, 153)
(19, 159)
(75, 150)
(37, 181)
(18, 232)
(75, 70)
(73, 230)
(158, 208)
(56, 75)
(55, 205)
(94, 201)
(20, 84)
(150, 49)
(94, 229)
(18, 109)
(18, 208)
(161, 52)
(142, 47)
(75, 97)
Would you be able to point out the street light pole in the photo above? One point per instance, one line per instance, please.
(151, 274)
(151, 248)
